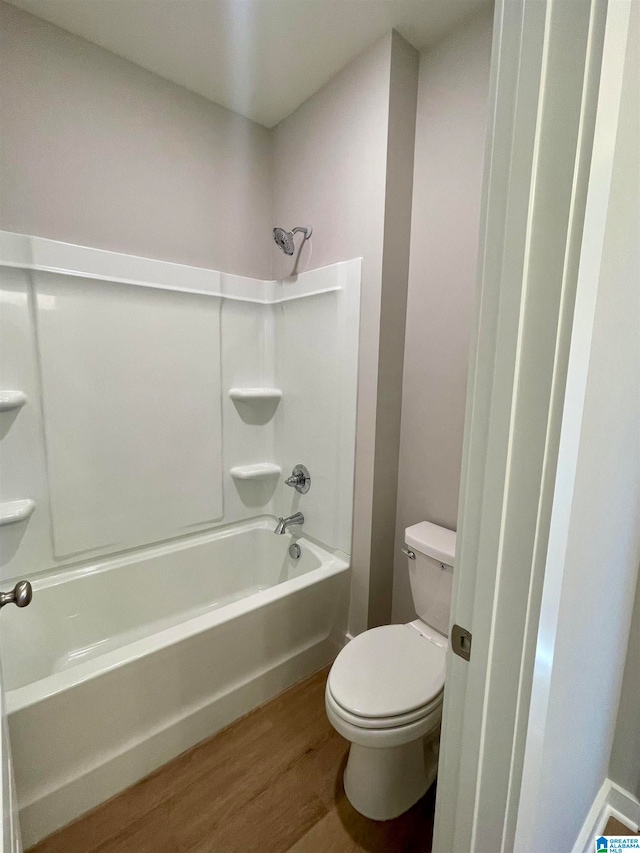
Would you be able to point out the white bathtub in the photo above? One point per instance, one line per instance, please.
(117, 667)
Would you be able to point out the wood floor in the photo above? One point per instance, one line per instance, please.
(271, 782)
(614, 827)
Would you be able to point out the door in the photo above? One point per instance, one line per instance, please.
(544, 93)
(10, 829)
(21, 596)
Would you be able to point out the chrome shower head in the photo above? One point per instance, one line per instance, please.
(284, 239)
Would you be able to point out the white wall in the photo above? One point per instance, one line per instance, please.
(624, 766)
(449, 156)
(594, 547)
(99, 152)
(128, 435)
(316, 357)
(322, 177)
(330, 169)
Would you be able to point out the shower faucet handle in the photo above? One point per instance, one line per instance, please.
(300, 479)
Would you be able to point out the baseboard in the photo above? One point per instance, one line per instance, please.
(595, 821)
(624, 806)
(611, 801)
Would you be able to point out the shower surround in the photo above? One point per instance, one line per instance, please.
(165, 406)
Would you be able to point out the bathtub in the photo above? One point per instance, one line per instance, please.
(119, 666)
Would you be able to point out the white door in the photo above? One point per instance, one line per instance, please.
(544, 89)
(10, 830)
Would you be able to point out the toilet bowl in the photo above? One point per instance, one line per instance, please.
(384, 695)
(385, 689)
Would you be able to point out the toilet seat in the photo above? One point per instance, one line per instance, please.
(393, 722)
(387, 677)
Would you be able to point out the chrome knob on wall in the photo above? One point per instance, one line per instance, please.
(20, 595)
(300, 479)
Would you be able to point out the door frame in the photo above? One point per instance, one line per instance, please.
(544, 86)
(10, 838)
(597, 220)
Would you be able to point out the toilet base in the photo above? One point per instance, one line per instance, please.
(384, 783)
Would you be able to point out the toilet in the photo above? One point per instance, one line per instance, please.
(384, 691)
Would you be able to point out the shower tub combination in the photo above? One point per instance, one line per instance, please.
(119, 666)
(164, 606)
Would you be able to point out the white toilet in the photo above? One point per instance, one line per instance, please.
(384, 691)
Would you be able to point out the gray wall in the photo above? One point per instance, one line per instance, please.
(331, 158)
(624, 765)
(99, 152)
(395, 276)
(449, 155)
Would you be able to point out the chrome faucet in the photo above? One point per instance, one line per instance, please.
(298, 518)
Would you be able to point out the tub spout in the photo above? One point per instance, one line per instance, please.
(283, 523)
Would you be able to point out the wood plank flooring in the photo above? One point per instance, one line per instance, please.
(614, 827)
(271, 782)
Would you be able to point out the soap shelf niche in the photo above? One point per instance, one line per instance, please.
(255, 395)
(12, 400)
(14, 511)
(258, 471)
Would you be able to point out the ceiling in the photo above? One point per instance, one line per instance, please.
(261, 58)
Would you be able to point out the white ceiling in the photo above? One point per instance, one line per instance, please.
(261, 58)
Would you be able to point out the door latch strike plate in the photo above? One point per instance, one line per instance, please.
(461, 642)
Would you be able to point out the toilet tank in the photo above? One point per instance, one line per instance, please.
(431, 572)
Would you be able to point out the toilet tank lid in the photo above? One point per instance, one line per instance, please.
(433, 541)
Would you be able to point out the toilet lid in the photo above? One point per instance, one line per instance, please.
(387, 671)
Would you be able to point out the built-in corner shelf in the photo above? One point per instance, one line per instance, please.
(249, 395)
(259, 471)
(12, 400)
(14, 511)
